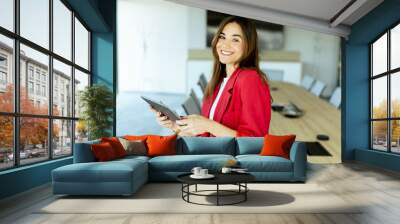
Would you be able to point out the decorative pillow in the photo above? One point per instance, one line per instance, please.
(161, 145)
(136, 147)
(103, 151)
(277, 145)
(136, 137)
(116, 145)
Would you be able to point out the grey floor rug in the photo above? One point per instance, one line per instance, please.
(166, 198)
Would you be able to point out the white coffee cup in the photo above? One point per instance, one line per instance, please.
(203, 172)
(196, 170)
(226, 170)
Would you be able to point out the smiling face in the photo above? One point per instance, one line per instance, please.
(230, 45)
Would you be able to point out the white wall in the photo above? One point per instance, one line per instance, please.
(319, 54)
(152, 46)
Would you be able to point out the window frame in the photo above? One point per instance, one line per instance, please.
(16, 114)
(388, 74)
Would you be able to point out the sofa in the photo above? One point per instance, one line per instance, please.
(126, 175)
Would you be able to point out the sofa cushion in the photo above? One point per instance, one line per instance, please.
(275, 145)
(161, 145)
(185, 163)
(257, 163)
(111, 171)
(116, 145)
(103, 152)
(202, 145)
(249, 145)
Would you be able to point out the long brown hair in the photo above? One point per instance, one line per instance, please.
(249, 59)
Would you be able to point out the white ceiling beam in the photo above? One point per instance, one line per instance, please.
(268, 15)
(348, 12)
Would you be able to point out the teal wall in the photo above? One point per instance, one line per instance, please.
(100, 16)
(355, 109)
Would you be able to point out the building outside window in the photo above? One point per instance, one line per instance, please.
(385, 91)
(34, 76)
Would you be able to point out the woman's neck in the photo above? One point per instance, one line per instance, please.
(230, 68)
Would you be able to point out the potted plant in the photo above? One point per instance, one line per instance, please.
(96, 102)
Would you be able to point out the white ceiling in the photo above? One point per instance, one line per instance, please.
(315, 15)
(319, 9)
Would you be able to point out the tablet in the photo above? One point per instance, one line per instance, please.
(164, 109)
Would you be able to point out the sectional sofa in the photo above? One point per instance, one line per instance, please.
(125, 176)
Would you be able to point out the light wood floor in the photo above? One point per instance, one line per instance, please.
(377, 189)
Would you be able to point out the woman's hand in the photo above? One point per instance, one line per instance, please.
(193, 125)
(164, 121)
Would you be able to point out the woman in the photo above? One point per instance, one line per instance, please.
(237, 100)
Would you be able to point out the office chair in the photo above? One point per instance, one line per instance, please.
(317, 88)
(336, 97)
(202, 82)
(307, 82)
(190, 106)
(196, 99)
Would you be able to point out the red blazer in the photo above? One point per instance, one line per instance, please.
(245, 104)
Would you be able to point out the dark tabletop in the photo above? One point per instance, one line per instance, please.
(220, 178)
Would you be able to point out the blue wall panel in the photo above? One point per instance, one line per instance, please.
(356, 84)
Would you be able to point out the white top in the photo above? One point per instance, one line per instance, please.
(215, 103)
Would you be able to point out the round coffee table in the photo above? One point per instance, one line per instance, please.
(238, 179)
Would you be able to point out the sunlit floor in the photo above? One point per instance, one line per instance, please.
(378, 190)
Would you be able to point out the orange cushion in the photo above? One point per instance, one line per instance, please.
(161, 145)
(103, 151)
(277, 145)
(135, 137)
(116, 145)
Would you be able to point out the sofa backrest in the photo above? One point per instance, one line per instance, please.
(203, 145)
(249, 145)
(83, 152)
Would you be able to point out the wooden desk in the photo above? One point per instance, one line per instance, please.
(319, 117)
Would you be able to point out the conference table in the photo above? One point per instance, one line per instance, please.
(320, 117)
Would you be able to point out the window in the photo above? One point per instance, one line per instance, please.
(3, 61)
(54, 126)
(385, 91)
(3, 78)
(30, 72)
(7, 14)
(44, 91)
(81, 45)
(30, 87)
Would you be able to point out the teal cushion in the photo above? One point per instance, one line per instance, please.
(249, 145)
(257, 163)
(203, 145)
(111, 171)
(185, 163)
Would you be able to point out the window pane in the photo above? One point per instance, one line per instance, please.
(379, 135)
(35, 21)
(33, 139)
(395, 94)
(6, 74)
(379, 55)
(62, 29)
(62, 89)
(7, 14)
(379, 100)
(81, 45)
(395, 47)
(395, 131)
(81, 131)
(62, 138)
(34, 97)
(81, 81)
(6, 142)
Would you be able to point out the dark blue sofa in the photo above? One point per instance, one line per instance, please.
(125, 176)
